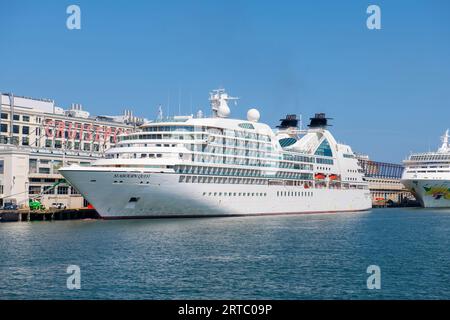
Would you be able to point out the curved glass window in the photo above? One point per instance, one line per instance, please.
(286, 142)
(324, 149)
(246, 125)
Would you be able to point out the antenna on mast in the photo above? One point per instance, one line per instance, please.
(445, 142)
(160, 113)
(168, 103)
(179, 101)
(219, 103)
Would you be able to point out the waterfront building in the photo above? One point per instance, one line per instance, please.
(384, 182)
(37, 137)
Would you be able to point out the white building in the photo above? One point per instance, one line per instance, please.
(37, 137)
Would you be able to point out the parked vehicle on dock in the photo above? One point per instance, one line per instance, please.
(10, 206)
(58, 205)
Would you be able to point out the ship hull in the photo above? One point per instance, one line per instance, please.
(119, 195)
(430, 193)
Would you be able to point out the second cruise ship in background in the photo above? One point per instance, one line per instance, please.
(427, 176)
(217, 166)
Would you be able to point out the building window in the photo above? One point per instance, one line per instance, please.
(25, 141)
(86, 147)
(3, 139)
(48, 190)
(26, 118)
(34, 190)
(44, 170)
(58, 144)
(76, 145)
(2, 166)
(33, 165)
(56, 165)
(16, 117)
(25, 130)
(4, 115)
(63, 190)
(15, 141)
(16, 129)
(48, 143)
(4, 127)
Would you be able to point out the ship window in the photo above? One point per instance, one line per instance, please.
(246, 125)
(324, 149)
(286, 142)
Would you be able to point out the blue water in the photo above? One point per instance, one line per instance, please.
(273, 257)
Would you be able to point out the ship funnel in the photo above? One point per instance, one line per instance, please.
(290, 121)
(319, 121)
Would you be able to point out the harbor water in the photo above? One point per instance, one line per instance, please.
(323, 256)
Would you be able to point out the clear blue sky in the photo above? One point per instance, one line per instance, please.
(388, 90)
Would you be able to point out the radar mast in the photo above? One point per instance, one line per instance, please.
(219, 103)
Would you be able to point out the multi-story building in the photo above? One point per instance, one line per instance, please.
(37, 137)
(384, 182)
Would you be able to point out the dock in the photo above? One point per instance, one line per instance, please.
(47, 215)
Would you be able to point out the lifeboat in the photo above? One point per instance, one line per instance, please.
(334, 177)
(319, 176)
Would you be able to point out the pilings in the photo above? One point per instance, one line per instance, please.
(47, 215)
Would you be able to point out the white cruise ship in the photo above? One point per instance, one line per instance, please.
(218, 166)
(427, 176)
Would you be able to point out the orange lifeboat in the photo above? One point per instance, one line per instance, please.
(334, 177)
(319, 176)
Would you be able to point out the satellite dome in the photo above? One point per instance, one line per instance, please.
(223, 111)
(253, 115)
